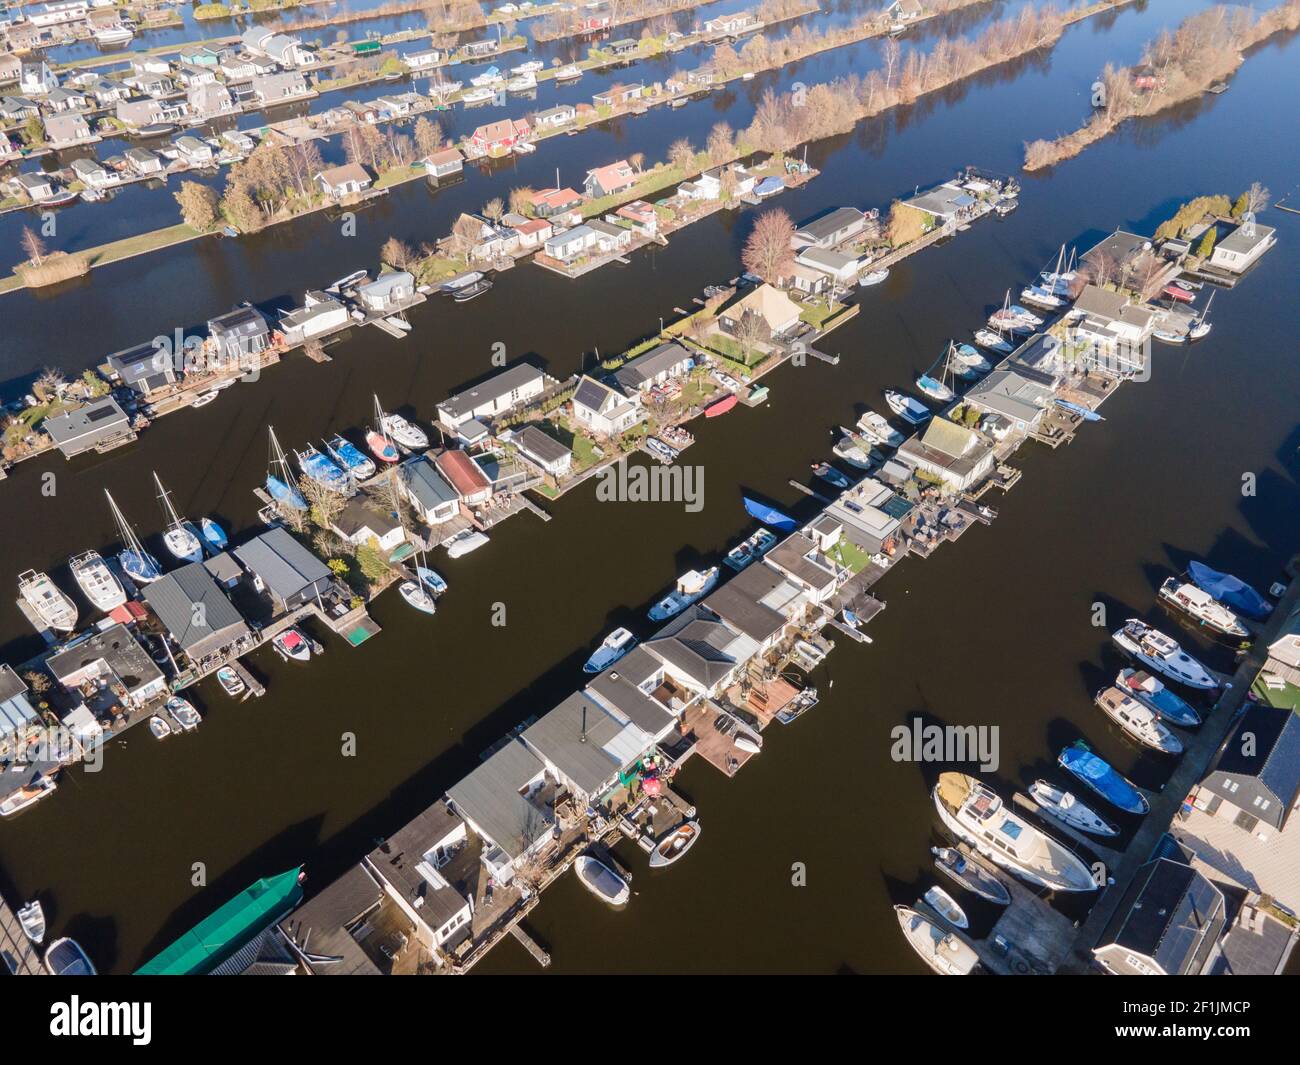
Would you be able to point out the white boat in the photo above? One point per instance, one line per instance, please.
(675, 844)
(1060, 279)
(946, 907)
(876, 429)
(1159, 652)
(180, 539)
(66, 958)
(909, 409)
(96, 580)
(1037, 296)
(1152, 693)
(416, 596)
(408, 435)
(31, 918)
(183, 713)
(875, 277)
(1069, 810)
(465, 542)
(50, 605)
(568, 73)
(933, 388)
(612, 648)
(292, 644)
(230, 681)
(971, 875)
(746, 740)
(523, 83)
(967, 356)
(1200, 324)
(975, 813)
(691, 586)
(754, 547)
(1202, 608)
(524, 148)
(994, 341)
(533, 66)
(435, 585)
(1169, 336)
(847, 448)
(491, 76)
(1138, 722)
(114, 35)
(601, 880)
(202, 399)
(944, 952)
(159, 727)
(23, 797)
(477, 96)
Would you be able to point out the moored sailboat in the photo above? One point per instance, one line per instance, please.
(280, 482)
(178, 537)
(138, 564)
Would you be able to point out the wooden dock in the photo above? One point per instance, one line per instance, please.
(530, 944)
(20, 956)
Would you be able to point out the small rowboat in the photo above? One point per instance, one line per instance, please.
(601, 880)
(970, 875)
(32, 920)
(381, 447)
(675, 844)
(723, 405)
(946, 907)
(159, 727)
(230, 681)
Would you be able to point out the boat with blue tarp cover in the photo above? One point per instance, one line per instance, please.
(1099, 775)
(1230, 590)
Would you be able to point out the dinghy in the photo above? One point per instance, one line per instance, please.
(674, 845)
(612, 648)
(1068, 810)
(31, 918)
(946, 907)
(970, 875)
(159, 727)
(1099, 775)
(601, 880)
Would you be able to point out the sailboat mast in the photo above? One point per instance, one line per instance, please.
(129, 539)
(169, 511)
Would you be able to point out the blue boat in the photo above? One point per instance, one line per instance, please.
(1152, 694)
(1230, 591)
(283, 494)
(322, 470)
(350, 457)
(769, 186)
(1082, 411)
(140, 566)
(1099, 775)
(214, 536)
(770, 516)
(431, 580)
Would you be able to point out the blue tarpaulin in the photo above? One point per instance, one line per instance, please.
(1230, 591)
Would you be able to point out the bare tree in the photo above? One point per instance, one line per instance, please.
(33, 246)
(767, 252)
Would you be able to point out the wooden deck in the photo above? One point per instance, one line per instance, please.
(719, 750)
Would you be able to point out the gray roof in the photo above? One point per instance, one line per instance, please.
(1241, 242)
(282, 562)
(11, 684)
(827, 259)
(241, 322)
(740, 604)
(618, 688)
(115, 646)
(535, 443)
(357, 514)
(95, 421)
(1170, 914)
(387, 284)
(1011, 393)
(661, 359)
(830, 223)
(491, 798)
(199, 633)
(580, 738)
(142, 362)
(320, 926)
(423, 481)
(224, 567)
(697, 645)
(399, 857)
(1270, 775)
(494, 388)
(593, 394)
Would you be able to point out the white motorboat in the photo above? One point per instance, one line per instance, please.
(754, 547)
(183, 713)
(966, 356)
(910, 410)
(524, 148)
(114, 34)
(876, 429)
(993, 341)
(946, 907)
(942, 951)
(408, 435)
(179, 537)
(875, 277)
(159, 727)
(975, 813)
(1139, 722)
(1150, 692)
(477, 96)
(491, 76)
(465, 542)
(31, 919)
(533, 66)
(934, 388)
(202, 399)
(612, 648)
(96, 580)
(674, 845)
(51, 606)
(1161, 653)
(415, 595)
(522, 83)
(601, 880)
(971, 875)
(571, 72)
(1038, 296)
(746, 740)
(1199, 606)
(292, 644)
(1067, 809)
(66, 958)
(847, 448)
(33, 792)
(691, 586)
(230, 681)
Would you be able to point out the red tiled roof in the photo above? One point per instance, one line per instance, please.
(462, 473)
(615, 176)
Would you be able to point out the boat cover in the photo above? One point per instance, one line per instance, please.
(1230, 591)
(770, 515)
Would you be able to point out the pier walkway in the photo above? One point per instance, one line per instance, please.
(1201, 748)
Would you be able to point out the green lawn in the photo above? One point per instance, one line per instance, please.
(1287, 698)
(850, 556)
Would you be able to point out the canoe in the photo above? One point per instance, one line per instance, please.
(675, 844)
